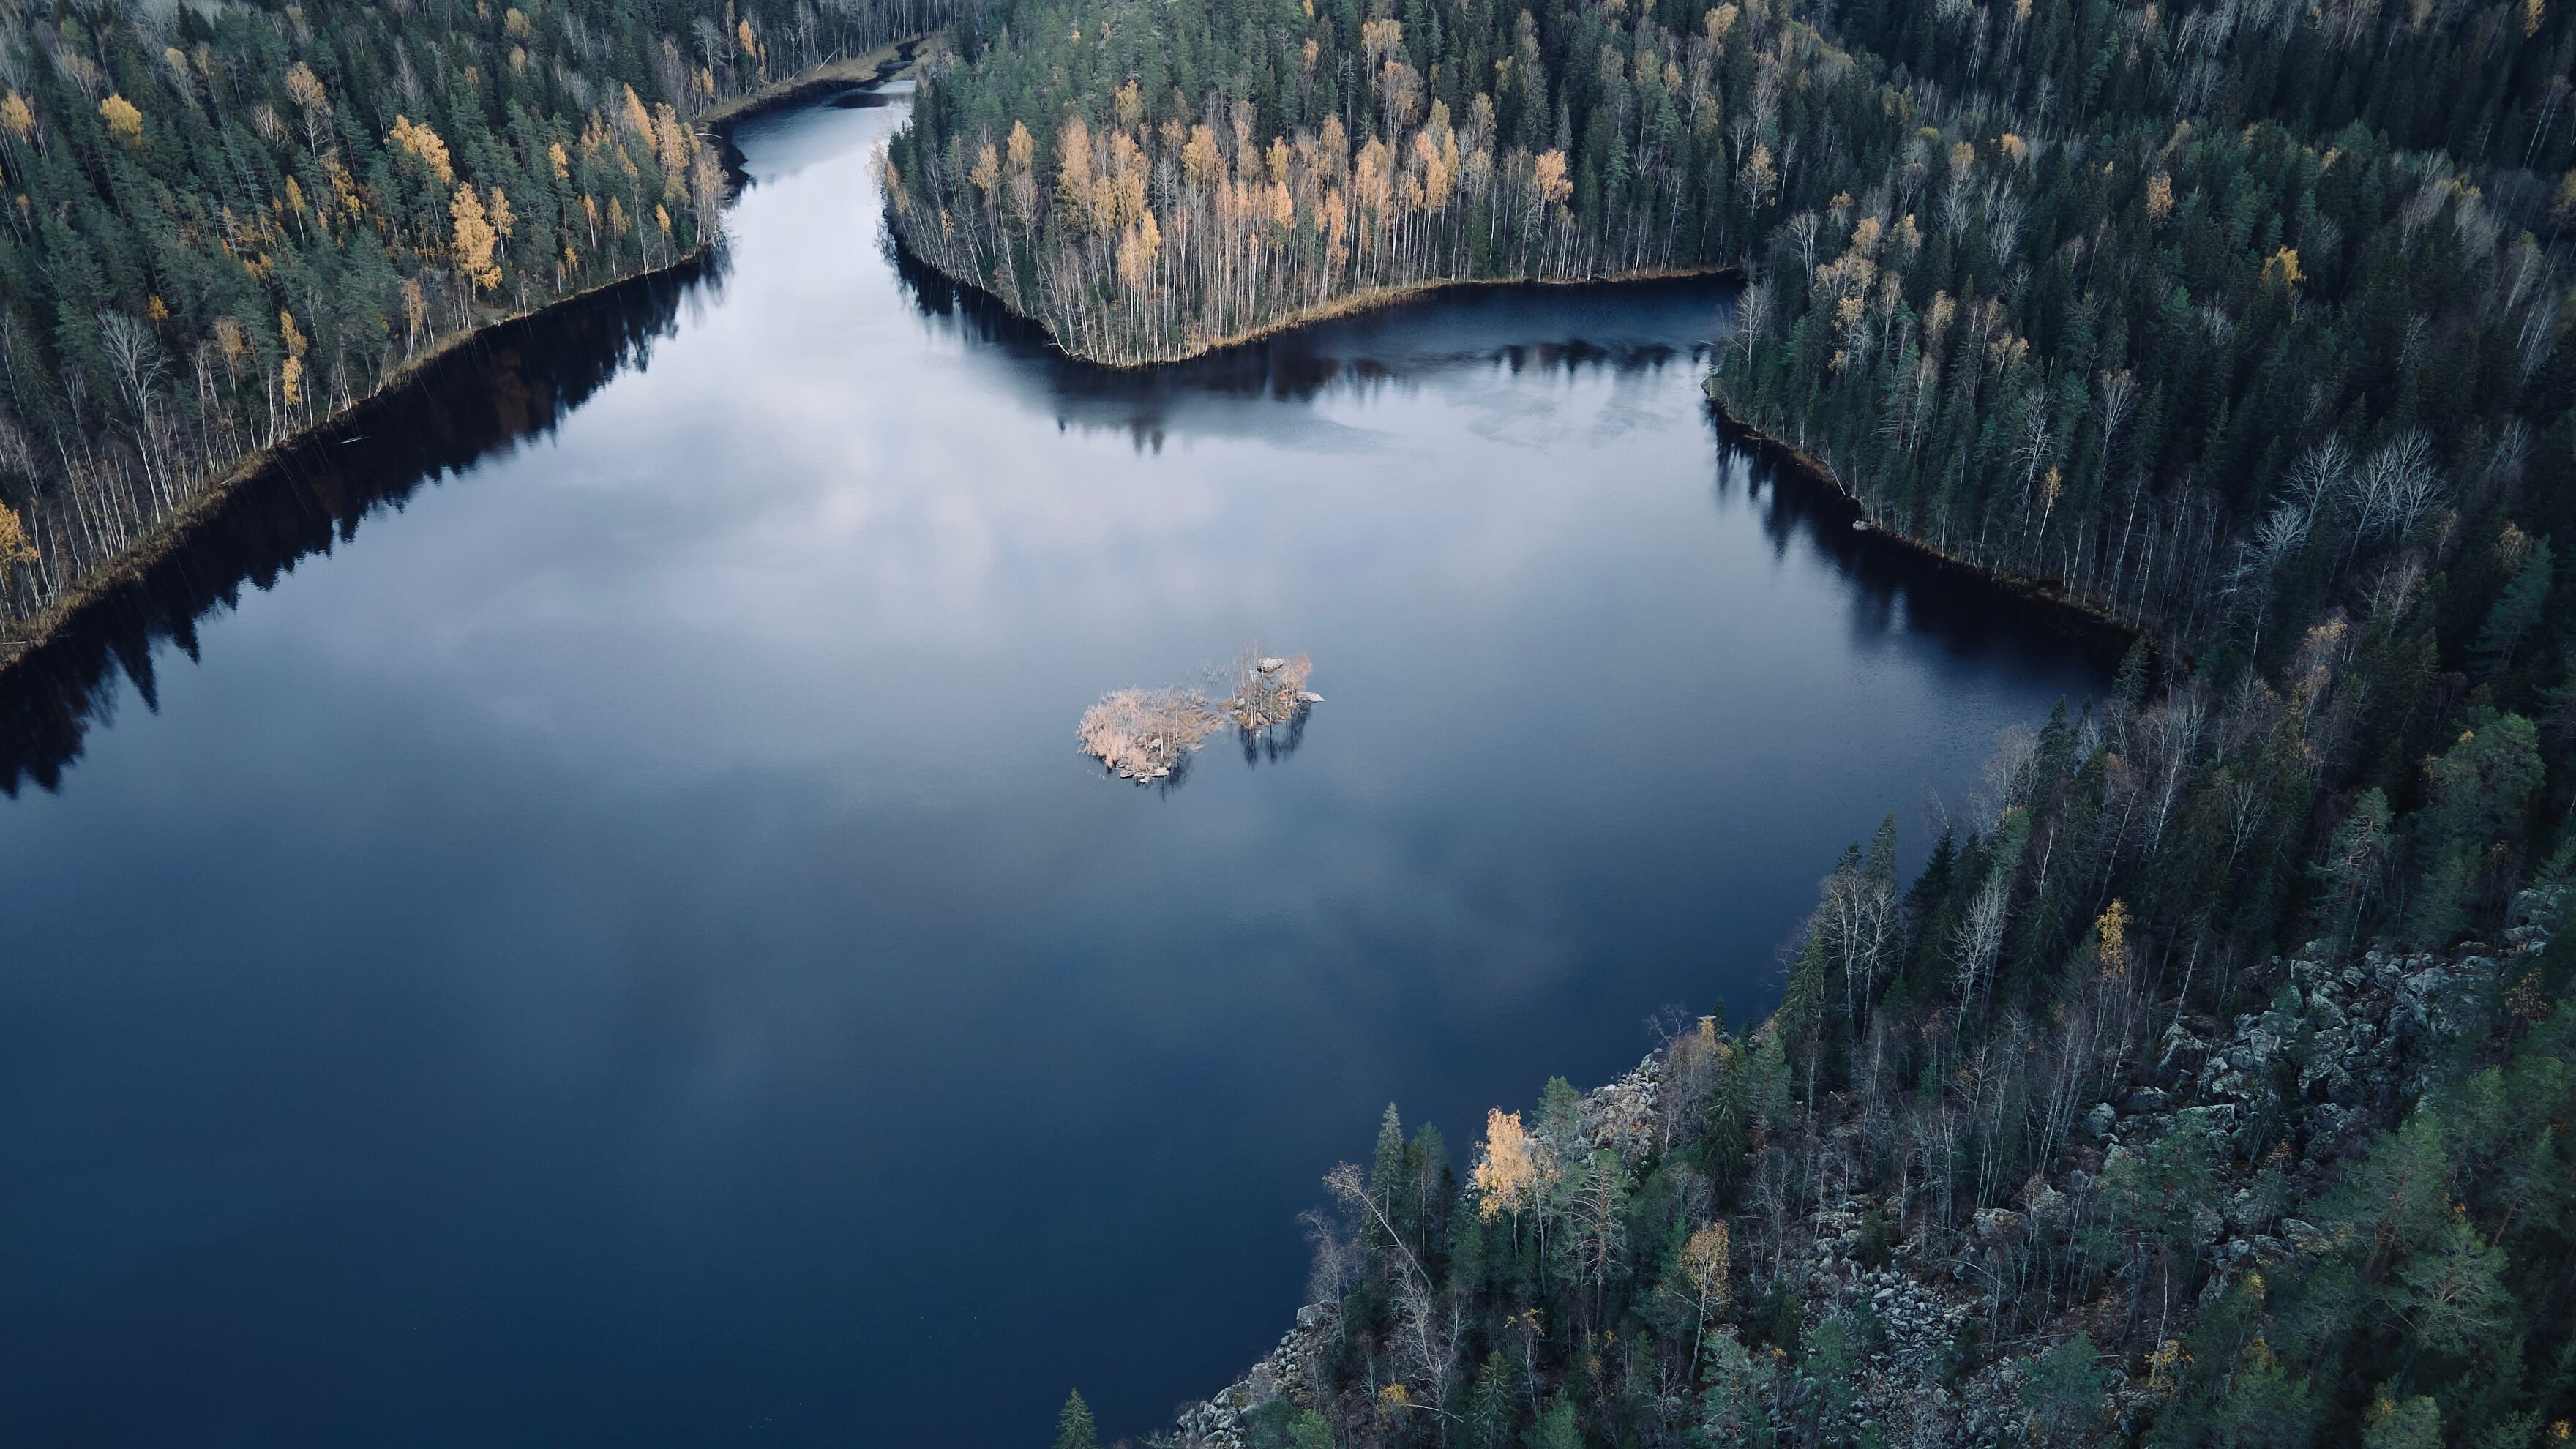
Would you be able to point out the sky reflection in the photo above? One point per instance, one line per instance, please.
(624, 947)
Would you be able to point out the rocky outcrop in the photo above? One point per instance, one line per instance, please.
(1218, 1422)
(1622, 1115)
(1626, 1115)
(2343, 1050)
(2340, 1053)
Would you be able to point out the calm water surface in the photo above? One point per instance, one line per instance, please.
(621, 949)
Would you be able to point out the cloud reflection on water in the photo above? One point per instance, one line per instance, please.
(642, 913)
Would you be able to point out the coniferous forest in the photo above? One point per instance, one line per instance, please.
(226, 221)
(2211, 1084)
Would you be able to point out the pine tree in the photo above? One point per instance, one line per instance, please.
(1073, 1426)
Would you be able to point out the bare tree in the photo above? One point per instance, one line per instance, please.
(311, 99)
(1958, 203)
(1426, 1336)
(714, 46)
(1753, 315)
(2319, 478)
(1336, 1265)
(2004, 214)
(2277, 540)
(1979, 938)
(2038, 446)
(2119, 392)
(1598, 1209)
(1856, 920)
(1801, 232)
(2397, 485)
(2539, 335)
(135, 356)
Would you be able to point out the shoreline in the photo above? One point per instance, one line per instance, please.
(2073, 614)
(875, 67)
(172, 532)
(1348, 305)
(2056, 600)
(1356, 303)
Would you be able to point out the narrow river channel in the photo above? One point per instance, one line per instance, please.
(615, 944)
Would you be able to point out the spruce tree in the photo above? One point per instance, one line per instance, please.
(1073, 1426)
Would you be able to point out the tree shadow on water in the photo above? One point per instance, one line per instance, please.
(482, 399)
(1623, 329)
(1274, 743)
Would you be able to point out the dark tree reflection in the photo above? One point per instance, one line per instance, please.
(1899, 587)
(1634, 327)
(476, 402)
(1276, 742)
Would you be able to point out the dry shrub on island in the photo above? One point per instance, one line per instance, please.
(1265, 691)
(1143, 734)
(1147, 735)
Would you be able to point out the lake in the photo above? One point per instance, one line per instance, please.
(573, 915)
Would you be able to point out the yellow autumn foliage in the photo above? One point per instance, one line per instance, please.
(475, 237)
(1547, 175)
(1507, 1178)
(124, 122)
(1705, 1260)
(423, 142)
(15, 547)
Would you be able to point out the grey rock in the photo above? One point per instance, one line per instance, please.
(2304, 1238)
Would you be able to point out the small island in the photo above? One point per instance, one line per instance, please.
(1147, 735)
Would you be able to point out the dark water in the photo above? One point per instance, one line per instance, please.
(617, 946)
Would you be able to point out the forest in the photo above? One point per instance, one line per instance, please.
(225, 221)
(2190, 365)
(2050, 1144)
(1149, 181)
(2210, 1084)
